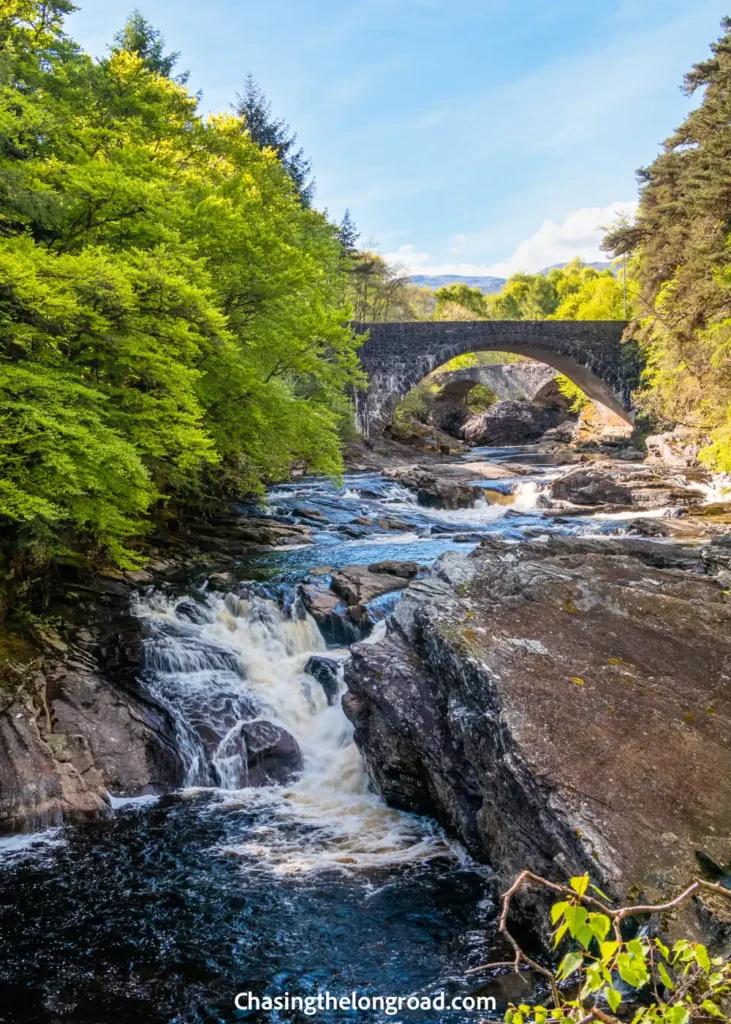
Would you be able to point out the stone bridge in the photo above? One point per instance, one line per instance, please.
(509, 382)
(397, 356)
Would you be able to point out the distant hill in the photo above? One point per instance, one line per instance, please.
(487, 285)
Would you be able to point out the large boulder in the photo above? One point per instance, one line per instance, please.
(357, 584)
(273, 755)
(508, 423)
(257, 753)
(395, 568)
(562, 707)
(584, 485)
(75, 727)
(328, 672)
(626, 484)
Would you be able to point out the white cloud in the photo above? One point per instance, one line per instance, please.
(407, 256)
(579, 234)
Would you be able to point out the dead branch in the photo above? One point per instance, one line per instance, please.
(616, 916)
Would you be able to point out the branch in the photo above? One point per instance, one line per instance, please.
(617, 917)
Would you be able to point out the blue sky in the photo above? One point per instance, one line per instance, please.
(472, 137)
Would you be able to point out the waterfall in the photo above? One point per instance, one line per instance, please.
(223, 666)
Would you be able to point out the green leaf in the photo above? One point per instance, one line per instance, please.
(701, 956)
(663, 949)
(557, 911)
(600, 893)
(677, 1014)
(712, 1009)
(570, 963)
(608, 949)
(559, 934)
(579, 884)
(666, 979)
(613, 997)
(599, 924)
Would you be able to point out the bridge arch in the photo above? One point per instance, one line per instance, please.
(396, 356)
(509, 382)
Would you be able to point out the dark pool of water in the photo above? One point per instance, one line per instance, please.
(146, 918)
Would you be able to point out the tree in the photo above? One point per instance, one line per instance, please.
(348, 234)
(172, 319)
(274, 133)
(680, 250)
(140, 37)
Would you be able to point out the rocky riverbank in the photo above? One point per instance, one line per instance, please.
(558, 699)
(562, 705)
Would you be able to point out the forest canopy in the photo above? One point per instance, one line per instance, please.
(680, 250)
(169, 302)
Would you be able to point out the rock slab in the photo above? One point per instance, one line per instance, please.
(562, 707)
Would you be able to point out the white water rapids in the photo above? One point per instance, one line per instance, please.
(244, 661)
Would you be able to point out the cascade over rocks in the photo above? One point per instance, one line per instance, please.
(562, 706)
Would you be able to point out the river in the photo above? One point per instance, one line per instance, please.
(166, 912)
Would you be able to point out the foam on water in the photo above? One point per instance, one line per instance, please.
(244, 661)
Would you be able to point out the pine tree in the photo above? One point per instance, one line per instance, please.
(140, 37)
(274, 133)
(348, 234)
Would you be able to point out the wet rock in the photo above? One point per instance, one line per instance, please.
(358, 585)
(74, 725)
(330, 613)
(561, 707)
(393, 524)
(623, 484)
(43, 783)
(319, 600)
(308, 513)
(395, 568)
(506, 423)
(434, 489)
(273, 756)
(192, 610)
(583, 486)
(327, 672)
(562, 434)
(130, 736)
(356, 532)
(221, 581)
(271, 533)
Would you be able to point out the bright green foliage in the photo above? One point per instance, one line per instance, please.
(460, 295)
(576, 397)
(681, 256)
(140, 37)
(573, 292)
(414, 406)
(479, 398)
(171, 318)
(687, 985)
